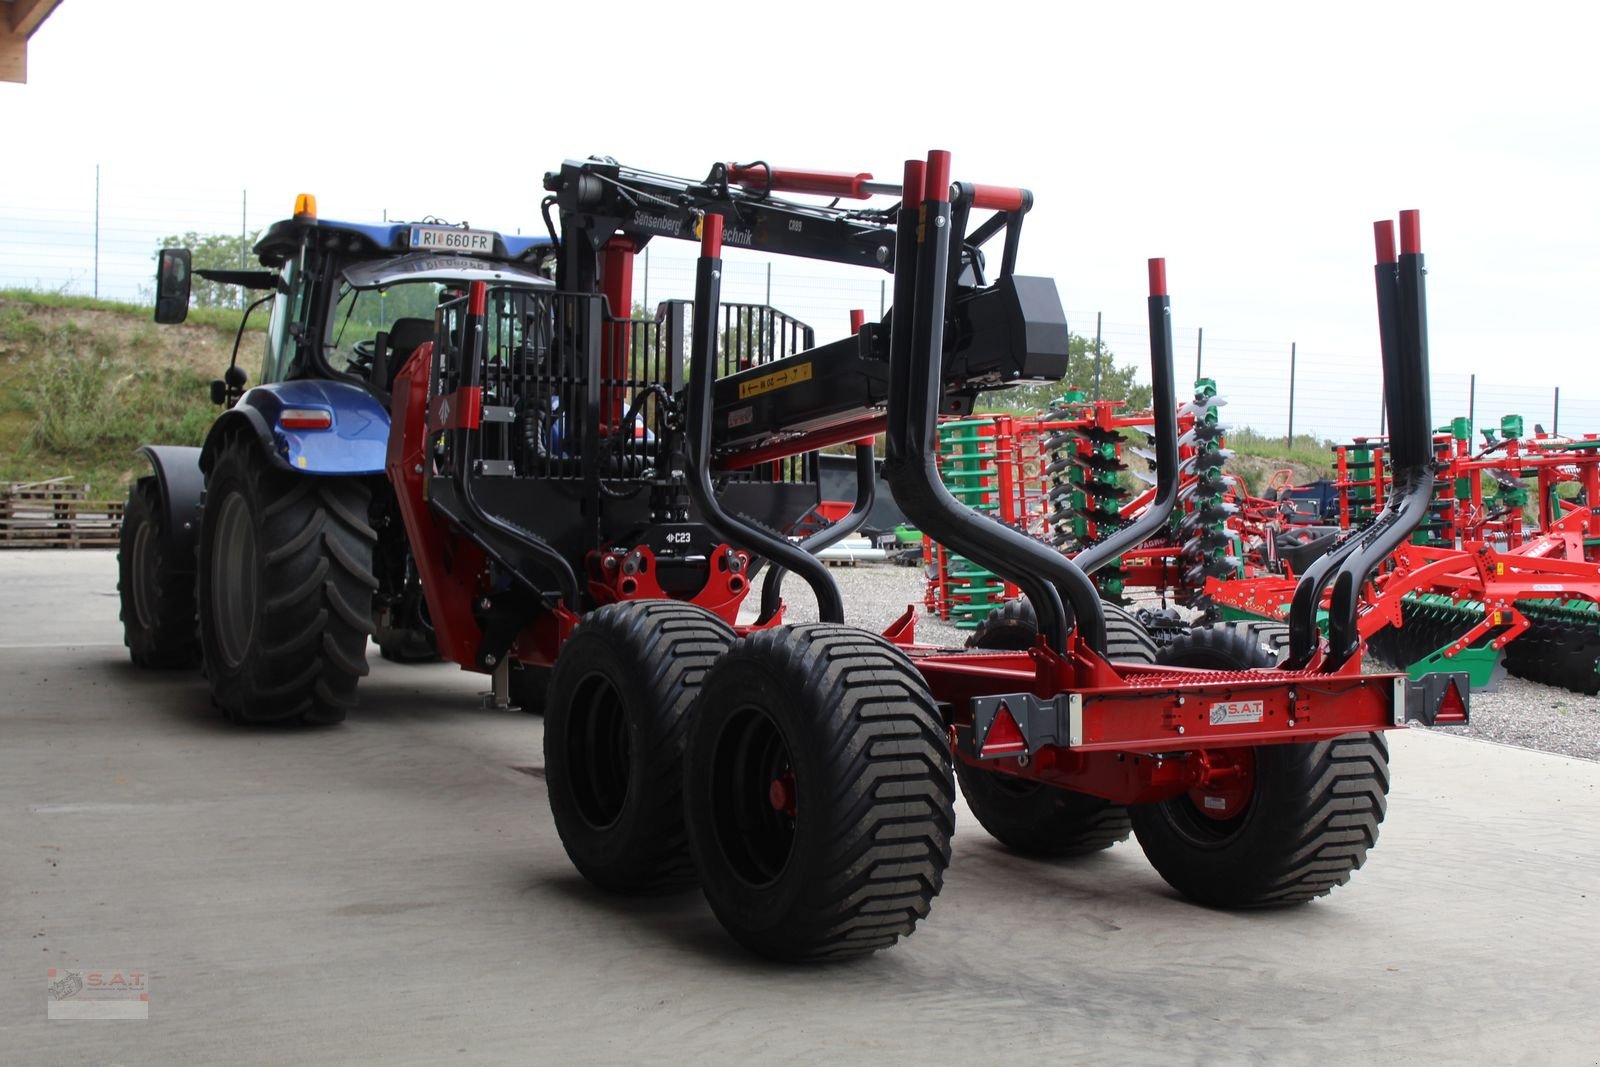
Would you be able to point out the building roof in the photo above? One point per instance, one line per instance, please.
(18, 21)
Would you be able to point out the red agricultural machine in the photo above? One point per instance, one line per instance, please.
(578, 495)
(1480, 587)
(1070, 476)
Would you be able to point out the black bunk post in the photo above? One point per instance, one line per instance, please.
(465, 452)
(923, 241)
(1403, 338)
(1164, 401)
(702, 374)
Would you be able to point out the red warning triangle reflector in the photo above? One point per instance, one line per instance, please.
(1005, 738)
(1452, 708)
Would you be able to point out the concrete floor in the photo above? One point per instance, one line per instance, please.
(392, 891)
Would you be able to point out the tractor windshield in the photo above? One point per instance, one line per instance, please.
(362, 313)
(382, 295)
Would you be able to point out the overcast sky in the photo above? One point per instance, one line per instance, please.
(1252, 146)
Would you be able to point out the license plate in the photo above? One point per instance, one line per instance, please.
(452, 240)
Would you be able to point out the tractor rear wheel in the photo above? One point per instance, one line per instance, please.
(817, 793)
(156, 589)
(1286, 823)
(614, 726)
(285, 589)
(1031, 817)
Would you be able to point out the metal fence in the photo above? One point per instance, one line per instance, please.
(93, 236)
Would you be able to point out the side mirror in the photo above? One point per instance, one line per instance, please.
(172, 285)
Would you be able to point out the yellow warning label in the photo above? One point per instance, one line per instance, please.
(781, 379)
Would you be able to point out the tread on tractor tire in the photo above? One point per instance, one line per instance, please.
(285, 589)
(156, 592)
(1303, 823)
(818, 793)
(615, 722)
(1031, 817)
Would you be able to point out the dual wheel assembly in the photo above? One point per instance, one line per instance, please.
(801, 777)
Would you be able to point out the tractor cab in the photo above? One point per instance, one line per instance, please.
(350, 301)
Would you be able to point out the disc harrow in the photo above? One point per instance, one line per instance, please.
(1561, 646)
(1431, 625)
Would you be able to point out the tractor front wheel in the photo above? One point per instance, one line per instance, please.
(156, 588)
(1279, 824)
(818, 793)
(614, 722)
(285, 589)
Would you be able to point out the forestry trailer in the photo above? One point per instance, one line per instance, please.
(524, 479)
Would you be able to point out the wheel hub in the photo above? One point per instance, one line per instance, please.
(755, 796)
(781, 794)
(145, 576)
(1227, 782)
(599, 752)
(234, 578)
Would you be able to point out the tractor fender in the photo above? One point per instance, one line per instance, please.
(182, 485)
(355, 444)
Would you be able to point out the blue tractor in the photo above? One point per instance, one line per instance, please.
(274, 550)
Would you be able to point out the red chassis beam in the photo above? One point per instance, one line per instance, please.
(1135, 734)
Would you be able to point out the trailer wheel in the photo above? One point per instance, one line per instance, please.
(614, 735)
(285, 590)
(1287, 825)
(1031, 817)
(1229, 646)
(1012, 627)
(156, 591)
(818, 793)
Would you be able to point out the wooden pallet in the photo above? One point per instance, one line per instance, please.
(56, 514)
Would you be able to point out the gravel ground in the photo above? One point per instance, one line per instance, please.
(1515, 712)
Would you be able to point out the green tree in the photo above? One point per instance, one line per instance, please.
(1116, 382)
(214, 251)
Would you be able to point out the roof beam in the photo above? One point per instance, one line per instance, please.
(22, 18)
(26, 15)
(13, 57)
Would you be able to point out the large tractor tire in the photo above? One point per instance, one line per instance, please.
(285, 589)
(1291, 822)
(156, 589)
(614, 731)
(1030, 817)
(818, 793)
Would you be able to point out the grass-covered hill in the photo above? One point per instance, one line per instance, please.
(84, 382)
